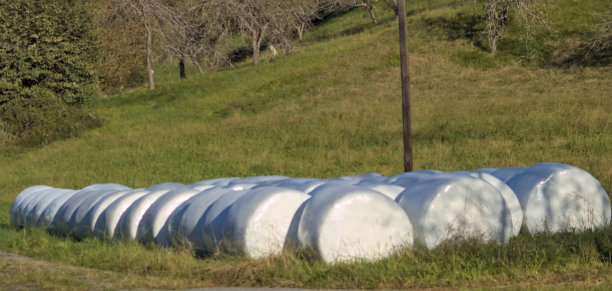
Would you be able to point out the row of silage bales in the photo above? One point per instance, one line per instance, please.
(365, 216)
(107, 221)
(186, 224)
(127, 226)
(19, 210)
(69, 217)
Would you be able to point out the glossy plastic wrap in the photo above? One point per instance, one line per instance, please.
(263, 222)
(109, 218)
(557, 197)
(127, 227)
(157, 214)
(345, 223)
(449, 206)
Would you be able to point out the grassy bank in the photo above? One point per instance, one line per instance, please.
(332, 108)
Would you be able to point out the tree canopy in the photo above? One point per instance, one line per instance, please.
(48, 52)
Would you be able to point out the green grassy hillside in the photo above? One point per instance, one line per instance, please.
(332, 108)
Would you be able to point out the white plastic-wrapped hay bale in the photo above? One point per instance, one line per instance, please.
(257, 180)
(29, 212)
(447, 206)
(252, 182)
(212, 222)
(305, 185)
(167, 186)
(156, 216)
(107, 186)
(35, 216)
(127, 227)
(333, 183)
(207, 184)
(75, 208)
(506, 174)
(516, 213)
(408, 179)
(88, 223)
(22, 212)
(185, 225)
(19, 204)
(48, 214)
(60, 222)
(107, 220)
(78, 226)
(345, 223)
(261, 223)
(387, 189)
(558, 197)
(486, 170)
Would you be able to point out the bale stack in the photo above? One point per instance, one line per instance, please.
(360, 217)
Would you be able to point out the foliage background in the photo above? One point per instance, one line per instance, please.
(47, 54)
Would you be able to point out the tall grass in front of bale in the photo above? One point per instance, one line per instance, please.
(543, 260)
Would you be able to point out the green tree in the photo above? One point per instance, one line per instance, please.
(48, 51)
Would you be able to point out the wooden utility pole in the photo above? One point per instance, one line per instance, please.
(408, 165)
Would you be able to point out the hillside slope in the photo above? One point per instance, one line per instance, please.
(333, 108)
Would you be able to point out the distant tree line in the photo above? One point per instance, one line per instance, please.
(200, 31)
(55, 54)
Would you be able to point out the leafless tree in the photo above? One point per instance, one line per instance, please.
(532, 13)
(367, 5)
(197, 30)
(259, 20)
(602, 44)
(302, 13)
(152, 15)
(394, 6)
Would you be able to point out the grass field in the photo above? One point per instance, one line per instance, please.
(332, 108)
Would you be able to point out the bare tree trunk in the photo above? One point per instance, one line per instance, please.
(148, 45)
(255, 44)
(496, 23)
(257, 39)
(300, 31)
(394, 5)
(197, 65)
(502, 21)
(182, 68)
(371, 11)
(501, 25)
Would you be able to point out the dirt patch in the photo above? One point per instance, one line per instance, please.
(22, 273)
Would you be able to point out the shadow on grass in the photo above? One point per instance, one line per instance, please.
(461, 26)
(597, 52)
(6, 226)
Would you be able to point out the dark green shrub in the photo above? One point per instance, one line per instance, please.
(48, 51)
